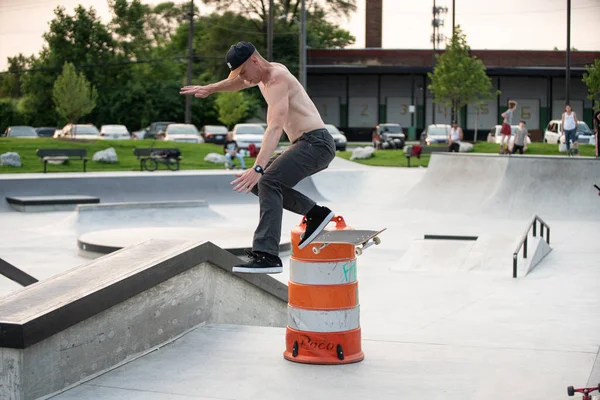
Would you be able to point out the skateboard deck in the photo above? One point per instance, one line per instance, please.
(365, 238)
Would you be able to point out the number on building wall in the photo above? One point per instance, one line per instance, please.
(525, 112)
(483, 109)
(365, 111)
(404, 109)
(325, 110)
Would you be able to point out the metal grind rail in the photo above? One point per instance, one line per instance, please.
(523, 241)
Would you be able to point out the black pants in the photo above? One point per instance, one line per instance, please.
(518, 148)
(309, 154)
(454, 147)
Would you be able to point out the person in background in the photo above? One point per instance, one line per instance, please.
(597, 129)
(569, 126)
(520, 138)
(231, 150)
(506, 130)
(454, 137)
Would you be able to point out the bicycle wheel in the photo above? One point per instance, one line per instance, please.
(172, 164)
(150, 164)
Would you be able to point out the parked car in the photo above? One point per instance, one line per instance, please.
(554, 133)
(497, 136)
(45, 132)
(152, 130)
(21, 132)
(436, 133)
(391, 131)
(338, 137)
(80, 131)
(185, 133)
(214, 133)
(114, 132)
(244, 134)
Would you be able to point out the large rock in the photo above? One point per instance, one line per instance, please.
(465, 147)
(215, 158)
(362, 152)
(10, 159)
(106, 156)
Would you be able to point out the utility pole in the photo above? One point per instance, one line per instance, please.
(302, 55)
(188, 98)
(568, 73)
(453, 16)
(270, 32)
(436, 38)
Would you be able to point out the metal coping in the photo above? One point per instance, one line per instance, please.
(450, 237)
(51, 200)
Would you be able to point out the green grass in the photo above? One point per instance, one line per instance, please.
(193, 154)
(395, 158)
(540, 149)
(389, 158)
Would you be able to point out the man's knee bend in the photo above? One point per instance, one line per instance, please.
(268, 182)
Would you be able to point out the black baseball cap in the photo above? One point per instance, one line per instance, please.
(237, 55)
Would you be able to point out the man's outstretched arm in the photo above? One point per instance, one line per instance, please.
(226, 85)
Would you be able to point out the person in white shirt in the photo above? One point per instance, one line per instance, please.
(569, 126)
(454, 137)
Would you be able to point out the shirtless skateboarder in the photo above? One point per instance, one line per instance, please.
(273, 176)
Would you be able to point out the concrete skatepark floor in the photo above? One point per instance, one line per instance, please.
(427, 331)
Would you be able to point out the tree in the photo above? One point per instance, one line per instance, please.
(233, 107)
(591, 78)
(458, 78)
(73, 95)
(288, 9)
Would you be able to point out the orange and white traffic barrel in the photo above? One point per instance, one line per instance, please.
(323, 309)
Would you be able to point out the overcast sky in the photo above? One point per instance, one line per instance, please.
(489, 24)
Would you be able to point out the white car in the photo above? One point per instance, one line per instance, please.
(338, 137)
(245, 134)
(21, 132)
(81, 132)
(497, 136)
(436, 133)
(185, 133)
(114, 132)
(554, 133)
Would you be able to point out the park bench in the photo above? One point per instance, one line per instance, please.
(149, 157)
(61, 155)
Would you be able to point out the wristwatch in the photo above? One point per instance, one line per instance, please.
(259, 169)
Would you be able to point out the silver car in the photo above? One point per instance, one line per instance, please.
(186, 133)
(246, 134)
(21, 132)
(338, 137)
(114, 132)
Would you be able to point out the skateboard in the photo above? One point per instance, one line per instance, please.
(365, 238)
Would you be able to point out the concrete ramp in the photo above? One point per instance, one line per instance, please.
(556, 187)
(457, 183)
(489, 254)
(510, 187)
(83, 322)
(183, 213)
(122, 187)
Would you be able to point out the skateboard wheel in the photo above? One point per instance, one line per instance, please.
(316, 250)
(376, 240)
(571, 391)
(358, 251)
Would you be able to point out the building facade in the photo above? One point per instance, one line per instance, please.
(356, 89)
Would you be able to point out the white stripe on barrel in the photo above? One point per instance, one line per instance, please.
(323, 321)
(323, 273)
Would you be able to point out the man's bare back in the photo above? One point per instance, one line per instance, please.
(302, 115)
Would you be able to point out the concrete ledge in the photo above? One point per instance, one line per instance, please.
(98, 243)
(49, 203)
(57, 332)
